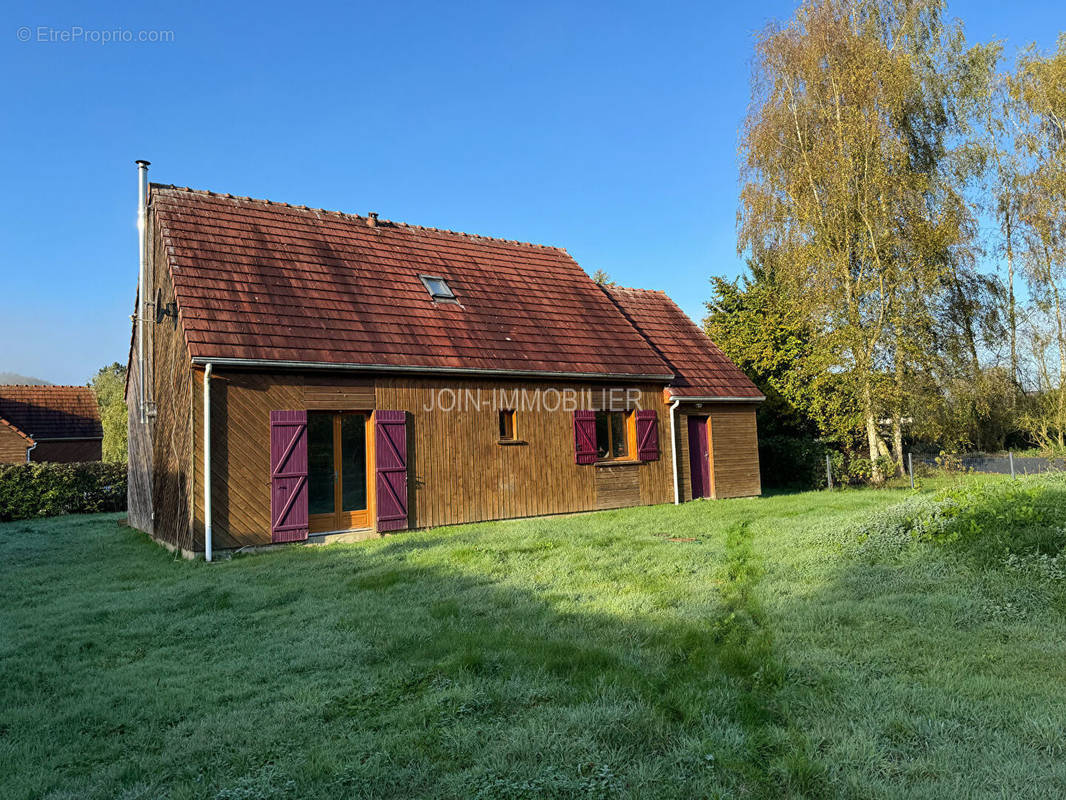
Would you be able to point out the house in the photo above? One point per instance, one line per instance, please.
(49, 423)
(309, 372)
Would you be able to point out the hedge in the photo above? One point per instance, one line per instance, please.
(787, 462)
(48, 490)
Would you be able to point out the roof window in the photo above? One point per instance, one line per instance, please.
(438, 289)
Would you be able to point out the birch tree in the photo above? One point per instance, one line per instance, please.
(841, 154)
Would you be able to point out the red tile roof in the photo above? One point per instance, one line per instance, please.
(15, 428)
(260, 280)
(51, 412)
(702, 369)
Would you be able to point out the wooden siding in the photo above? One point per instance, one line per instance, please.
(241, 403)
(684, 467)
(618, 486)
(12, 446)
(458, 471)
(172, 389)
(67, 451)
(734, 451)
(139, 468)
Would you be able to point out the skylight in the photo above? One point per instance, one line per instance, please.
(438, 289)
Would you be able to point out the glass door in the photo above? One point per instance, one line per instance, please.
(337, 471)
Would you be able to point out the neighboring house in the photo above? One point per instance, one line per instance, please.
(364, 375)
(49, 423)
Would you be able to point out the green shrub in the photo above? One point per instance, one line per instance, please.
(48, 490)
(789, 462)
(990, 520)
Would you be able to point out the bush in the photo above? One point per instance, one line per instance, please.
(48, 490)
(991, 520)
(787, 462)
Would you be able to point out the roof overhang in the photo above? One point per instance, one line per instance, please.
(674, 398)
(17, 430)
(457, 371)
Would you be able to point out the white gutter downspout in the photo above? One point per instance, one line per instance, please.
(142, 226)
(207, 462)
(674, 448)
(28, 449)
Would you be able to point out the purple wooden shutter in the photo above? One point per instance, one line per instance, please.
(391, 454)
(647, 435)
(585, 437)
(288, 476)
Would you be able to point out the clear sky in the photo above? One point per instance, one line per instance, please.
(607, 128)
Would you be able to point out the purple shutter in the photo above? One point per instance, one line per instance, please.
(288, 476)
(647, 435)
(391, 454)
(585, 437)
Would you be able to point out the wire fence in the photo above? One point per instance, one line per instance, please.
(992, 463)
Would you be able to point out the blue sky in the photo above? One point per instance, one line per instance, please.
(609, 129)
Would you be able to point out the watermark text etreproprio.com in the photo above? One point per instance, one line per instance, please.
(76, 34)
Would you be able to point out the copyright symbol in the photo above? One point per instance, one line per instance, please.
(23, 34)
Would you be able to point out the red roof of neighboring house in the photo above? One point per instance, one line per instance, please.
(260, 280)
(7, 424)
(52, 412)
(702, 369)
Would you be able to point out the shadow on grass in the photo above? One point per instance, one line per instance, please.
(400, 669)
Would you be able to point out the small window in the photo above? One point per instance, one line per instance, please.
(507, 425)
(438, 289)
(612, 435)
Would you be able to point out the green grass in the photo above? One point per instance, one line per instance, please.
(801, 646)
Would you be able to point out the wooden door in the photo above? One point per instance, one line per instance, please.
(699, 457)
(337, 471)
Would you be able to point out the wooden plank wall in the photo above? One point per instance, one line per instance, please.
(12, 446)
(172, 390)
(68, 451)
(460, 473)
(618, 487)
(684, 469)
(241, 403)
(139, 455)
(735, 450)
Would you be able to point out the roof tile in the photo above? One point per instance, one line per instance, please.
(263, 280)
(52, 412)
(701, 368)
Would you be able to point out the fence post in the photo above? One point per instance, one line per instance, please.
(828, 472)
(910, 467)
(1010, 455)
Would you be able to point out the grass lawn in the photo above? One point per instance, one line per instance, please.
(772, 647)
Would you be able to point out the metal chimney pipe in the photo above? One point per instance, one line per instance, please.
(142, 301)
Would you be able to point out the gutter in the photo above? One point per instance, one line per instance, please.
(266, 362)
(207, 462)
(674, 449)
(70, 439)
(28, 449)
(681, 399)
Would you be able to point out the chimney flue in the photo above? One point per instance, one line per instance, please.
(372, 219)
(142, 269)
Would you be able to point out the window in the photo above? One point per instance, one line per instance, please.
(612, 435)
(438, 289)
(507, 425)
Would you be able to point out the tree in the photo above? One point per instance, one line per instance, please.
(1038, 87)
(109, 386)
(848, 182)
(602, 278)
